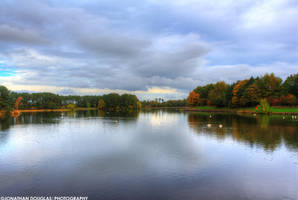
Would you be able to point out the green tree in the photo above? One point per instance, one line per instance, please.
(264, 107)
(290, 86)
(5, 100)
(270, 86)
(229, 95)
(217, 95)
(204, 92)
(251, 96)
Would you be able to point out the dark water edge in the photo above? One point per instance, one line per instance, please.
(149, 155)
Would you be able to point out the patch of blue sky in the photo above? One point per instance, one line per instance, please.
(6, 71)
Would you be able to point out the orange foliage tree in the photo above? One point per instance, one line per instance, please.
(193, 98)
(237, 92)
(17, 103)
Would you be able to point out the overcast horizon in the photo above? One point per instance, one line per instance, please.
(149, 48)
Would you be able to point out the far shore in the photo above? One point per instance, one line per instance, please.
(53, 110)
(277, 110)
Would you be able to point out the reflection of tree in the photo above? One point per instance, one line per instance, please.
(5, 122)
(38, 118)
(129, 113)
(263, 121)
(55, 117)
(129, 116)
(71, 114)
(265, 131)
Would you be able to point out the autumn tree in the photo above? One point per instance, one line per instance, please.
(237, 92)
(193, 98)
(17, 103)
(289, 100)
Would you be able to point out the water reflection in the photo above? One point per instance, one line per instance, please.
(148, 155)
(55, 117)
(268, 132)
(5, 123)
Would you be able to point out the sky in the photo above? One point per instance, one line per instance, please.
(151, 48)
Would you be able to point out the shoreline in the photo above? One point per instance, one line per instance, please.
(228, 110)
(235, 110)
(54, 110)
(187, 109)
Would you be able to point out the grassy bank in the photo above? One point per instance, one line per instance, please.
(274, 110)
(285, 109)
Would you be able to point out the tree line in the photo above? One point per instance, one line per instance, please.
(160, 102)
(29, 101)
(248, 92)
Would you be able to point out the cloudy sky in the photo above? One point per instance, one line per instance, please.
(152, 48)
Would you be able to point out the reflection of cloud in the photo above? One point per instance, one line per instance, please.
(120, 148)
(95, 156)
(161, 118)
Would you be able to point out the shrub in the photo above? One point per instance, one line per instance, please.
(71, 106)
(263, 107)
(101, 104)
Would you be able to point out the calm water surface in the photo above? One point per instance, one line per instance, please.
(150, 155)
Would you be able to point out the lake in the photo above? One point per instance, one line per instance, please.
(161, 154)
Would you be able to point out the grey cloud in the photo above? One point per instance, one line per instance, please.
(134, 46)
(168, 64)
(232, 73)
(29, 13)
(9, 34)
(113, 44)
